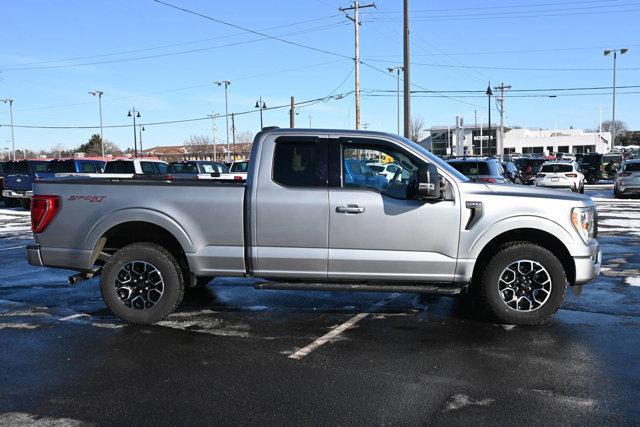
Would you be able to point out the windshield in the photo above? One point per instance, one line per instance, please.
(557, 168)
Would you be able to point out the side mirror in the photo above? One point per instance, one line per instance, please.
(427, 183)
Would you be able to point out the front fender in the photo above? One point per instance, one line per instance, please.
(520, 222)
(151, 216)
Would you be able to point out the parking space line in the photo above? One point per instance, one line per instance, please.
(74, 316)
(340, 329)
(13, 247)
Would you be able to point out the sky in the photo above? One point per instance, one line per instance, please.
(164, 62)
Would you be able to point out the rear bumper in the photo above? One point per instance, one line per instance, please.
(71, 259)
(588, 267)
(17, 194)
(33, 255)
(630, 189)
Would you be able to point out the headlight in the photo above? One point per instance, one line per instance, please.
(583, 220)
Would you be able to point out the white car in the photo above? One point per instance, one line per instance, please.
(561, 175)
(569, 157)
(239, 168)
(388, 170)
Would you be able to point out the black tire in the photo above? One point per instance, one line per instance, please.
(581, 190)
(203, 281)
(10, 202)
(591, 179)
(25, 204)
(171, 277)
(509, 254)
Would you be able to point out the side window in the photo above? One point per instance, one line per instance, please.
(147, 168)
(161, 168)
(394, 181)
(300, 164)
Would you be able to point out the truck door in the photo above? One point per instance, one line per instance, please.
(291, 209)
(378, 232)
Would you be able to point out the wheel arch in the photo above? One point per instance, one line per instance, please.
(528, 235)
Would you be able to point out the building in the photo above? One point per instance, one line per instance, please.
(475, 140)
(172, 153)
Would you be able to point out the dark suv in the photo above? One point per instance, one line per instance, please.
(512, 173)
(480, 169)
(596, 166)
(529, 168)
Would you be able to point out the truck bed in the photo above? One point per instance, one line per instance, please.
(205, 216)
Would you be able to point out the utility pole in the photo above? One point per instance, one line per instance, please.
(356, 23)
(397, 70)
(292, 119)
(134, 113)
(99, 93)
(407, 79)
(309, 121)
(613, 109)
(13, 142)
(489, 93)
(233, 132)
(213, 135)
(226, 84)
(500, 145)
(481, 133)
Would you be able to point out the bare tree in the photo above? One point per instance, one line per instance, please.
(245, 137)
(111, 148)
(618, 126)
(417, 129)
(199, 146)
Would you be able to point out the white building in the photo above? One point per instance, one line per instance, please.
(475, 140)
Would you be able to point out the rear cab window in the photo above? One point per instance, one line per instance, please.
(559, 168)
(632, 167)
(299, 163)
(471, 168)
(119, 166)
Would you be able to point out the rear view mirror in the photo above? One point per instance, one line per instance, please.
(426, 184)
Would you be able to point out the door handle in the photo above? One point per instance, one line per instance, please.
(350, 209)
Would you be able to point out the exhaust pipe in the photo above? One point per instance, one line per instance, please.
(81, 277)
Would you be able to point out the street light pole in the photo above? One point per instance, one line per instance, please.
(134, 113)
(226, 84)
(397, 70)
(13, 142)
(489, 93)
(261, 105)
(99, 94)
(213, 135)
(141, 130)
(613, 109)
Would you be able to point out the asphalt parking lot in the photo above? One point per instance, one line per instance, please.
(252, 357)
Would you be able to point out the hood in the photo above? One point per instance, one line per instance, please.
(538, 193)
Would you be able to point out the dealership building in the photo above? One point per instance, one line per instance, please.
(476, 140)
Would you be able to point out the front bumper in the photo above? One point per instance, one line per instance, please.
(588, 267)
(17, 194)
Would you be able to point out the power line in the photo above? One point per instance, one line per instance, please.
(506, 68)
(606, 2)
(126, 52)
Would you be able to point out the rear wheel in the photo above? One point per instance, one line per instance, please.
(25, 204)
(142, 283)
(591, 179)
(522, 284)
(10, 202)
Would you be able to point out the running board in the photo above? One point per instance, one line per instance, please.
(358, 287)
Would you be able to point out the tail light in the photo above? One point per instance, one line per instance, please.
(489, 180)
(528, 169)
(167, 177)
(571, 175)
(540, 175)
(237, 178)
(43, 210)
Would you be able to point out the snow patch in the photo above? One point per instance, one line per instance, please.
(17, 326)
(633, 281)
(23, 419)
(459, 401)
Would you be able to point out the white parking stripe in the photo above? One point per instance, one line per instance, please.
(339, 329)
(13, 247)
(74, 316)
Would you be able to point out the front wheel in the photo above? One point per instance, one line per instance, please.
(522, 284)
(142, 283)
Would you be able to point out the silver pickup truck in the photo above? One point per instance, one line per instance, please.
(313, 215)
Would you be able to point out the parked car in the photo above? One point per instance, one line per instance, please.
(480, 170)
(388, 170)
(17, 186)
(512, 173)
(627, 181)
(240, 168)
(596, 166)
(73, 167)
(529, 168)
(5, 169)
(299, 223)
(127, 168)
(201, 169)
(357, 173)
(569, 157)
(561, 175)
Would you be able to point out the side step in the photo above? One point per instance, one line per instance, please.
(445, 289)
